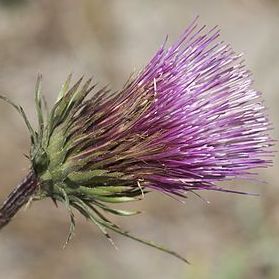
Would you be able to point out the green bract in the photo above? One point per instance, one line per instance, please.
(67, 172)
(57, 153)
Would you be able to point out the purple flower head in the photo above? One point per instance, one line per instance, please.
(187, 121)
(190, 119)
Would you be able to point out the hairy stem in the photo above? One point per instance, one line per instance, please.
(17, 198)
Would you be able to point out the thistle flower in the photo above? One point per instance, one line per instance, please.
(188, 120)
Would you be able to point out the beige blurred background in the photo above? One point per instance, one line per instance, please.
(232, 237)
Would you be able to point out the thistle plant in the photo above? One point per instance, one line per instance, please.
(187, 121)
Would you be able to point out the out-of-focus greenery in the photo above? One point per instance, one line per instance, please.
(10, 3)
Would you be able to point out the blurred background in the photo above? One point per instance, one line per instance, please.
(232, 237)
